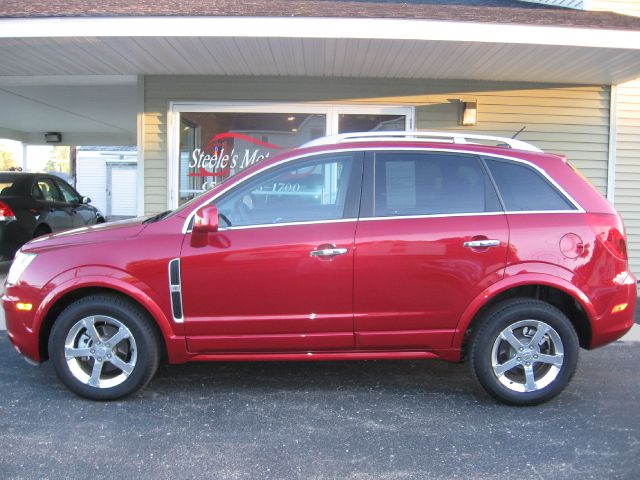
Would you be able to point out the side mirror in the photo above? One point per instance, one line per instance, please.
(85, 200)
(206, 220)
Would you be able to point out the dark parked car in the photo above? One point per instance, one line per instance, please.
(34, 204)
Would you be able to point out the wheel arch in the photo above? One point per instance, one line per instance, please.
(64, 298)
(555, 291)
(43, 226)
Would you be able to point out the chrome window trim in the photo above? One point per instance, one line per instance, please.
(576, 205)
(447, 215)
(430, 215)
(287, 224)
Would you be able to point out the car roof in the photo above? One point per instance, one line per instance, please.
(22, 181)
(456, 138)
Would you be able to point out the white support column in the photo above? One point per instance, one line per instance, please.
(140, 142)
(24, 158)
(613, 144)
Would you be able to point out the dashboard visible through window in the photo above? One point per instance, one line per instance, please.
(305, 191)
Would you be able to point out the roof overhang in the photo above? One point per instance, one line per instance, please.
(336, 47)
(81, 75)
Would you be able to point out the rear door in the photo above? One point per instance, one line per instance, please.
(431, 236)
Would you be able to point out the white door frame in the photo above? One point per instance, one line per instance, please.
(332, 112)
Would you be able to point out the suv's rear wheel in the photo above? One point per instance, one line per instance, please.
(524, 352)
(103, 347)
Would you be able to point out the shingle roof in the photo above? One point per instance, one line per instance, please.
(487, 11)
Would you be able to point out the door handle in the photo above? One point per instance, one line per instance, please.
(328, 251)
(482, 243)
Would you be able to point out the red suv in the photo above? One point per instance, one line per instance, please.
(402, 245)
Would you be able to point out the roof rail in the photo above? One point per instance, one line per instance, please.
(453, 137)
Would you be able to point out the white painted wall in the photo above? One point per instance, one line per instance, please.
(92, 181)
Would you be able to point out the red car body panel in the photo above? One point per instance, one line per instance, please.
(407, 288)
(268, 286)
(414, 278)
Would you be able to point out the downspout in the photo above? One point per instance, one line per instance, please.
(140, 197)
(613, 131)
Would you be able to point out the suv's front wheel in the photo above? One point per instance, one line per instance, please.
(524, 352)
(104, 347)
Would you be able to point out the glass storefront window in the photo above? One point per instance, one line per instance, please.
(349, 122)
(217, 145)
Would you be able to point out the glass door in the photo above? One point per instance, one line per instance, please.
(229, 142)
(210, 142)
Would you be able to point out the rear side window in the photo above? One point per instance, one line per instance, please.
(412, 183)
(524, 189)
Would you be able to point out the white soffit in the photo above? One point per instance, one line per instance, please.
(379, 48)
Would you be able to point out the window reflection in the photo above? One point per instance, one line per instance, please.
(216, 146)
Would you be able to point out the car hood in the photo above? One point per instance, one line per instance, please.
(102, 232)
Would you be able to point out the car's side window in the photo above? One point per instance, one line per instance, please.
(302, 191)
(417, 183)
(524, 189)
(36, 192)
(48, 190)
(69, 195)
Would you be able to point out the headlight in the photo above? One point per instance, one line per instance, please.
(19, 265)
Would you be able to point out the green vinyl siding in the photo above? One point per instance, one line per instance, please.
(568, 119)
(627, 191)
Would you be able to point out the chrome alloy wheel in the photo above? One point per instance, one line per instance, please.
(527, 356)
(100, 351)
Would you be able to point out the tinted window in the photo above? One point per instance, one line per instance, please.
(429, 184)
(6, 188)
(524, 189)
(69, 195)
(48, 190)
(306, 191)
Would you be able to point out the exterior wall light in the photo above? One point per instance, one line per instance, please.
(469, 114)
(53, 137)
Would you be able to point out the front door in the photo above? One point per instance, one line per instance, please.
(58, 214)
(278, 275)
(432, 236)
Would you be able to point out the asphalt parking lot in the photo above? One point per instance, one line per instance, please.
(350, 420)
(326, 420)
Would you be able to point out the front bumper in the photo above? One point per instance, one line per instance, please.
(20, 327)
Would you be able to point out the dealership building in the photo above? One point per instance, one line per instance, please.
(202, 89)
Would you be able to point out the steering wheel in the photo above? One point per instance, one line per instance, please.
(244, 208)
(225, 218)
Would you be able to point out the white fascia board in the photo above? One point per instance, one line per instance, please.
(66, 80)
(298, 27)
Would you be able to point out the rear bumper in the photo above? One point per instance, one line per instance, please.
(613, 325)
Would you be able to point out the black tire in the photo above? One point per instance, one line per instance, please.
(142, 346)
(550, 378)
(40, 231)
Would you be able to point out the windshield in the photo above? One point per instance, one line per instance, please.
(185, 206)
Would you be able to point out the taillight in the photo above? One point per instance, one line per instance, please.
(609, 231)
(5, 212)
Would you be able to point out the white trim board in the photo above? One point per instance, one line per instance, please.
(297, 27)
